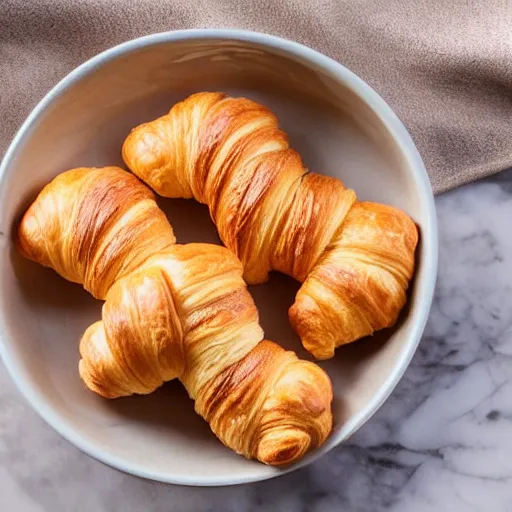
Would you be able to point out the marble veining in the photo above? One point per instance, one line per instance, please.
(442, 442)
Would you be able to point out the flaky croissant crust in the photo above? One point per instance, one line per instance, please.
(173, 311)
(355, 259)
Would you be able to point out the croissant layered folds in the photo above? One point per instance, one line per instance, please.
(173, 311)
(355, 259)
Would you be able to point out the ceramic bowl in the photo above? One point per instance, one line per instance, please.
(340, 126)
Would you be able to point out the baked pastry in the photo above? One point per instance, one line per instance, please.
(355, 259)
(173, 311)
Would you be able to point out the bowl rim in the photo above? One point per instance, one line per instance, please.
(408, 149)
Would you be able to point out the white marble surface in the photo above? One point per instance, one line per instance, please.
(442, 442)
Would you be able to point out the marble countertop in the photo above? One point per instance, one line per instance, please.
(442, 442)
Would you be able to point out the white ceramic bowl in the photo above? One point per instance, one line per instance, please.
(339, 125)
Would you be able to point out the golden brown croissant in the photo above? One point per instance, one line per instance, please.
(355, 259)
(173, 311)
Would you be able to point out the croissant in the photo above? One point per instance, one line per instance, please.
(173, 311)
(355, 259)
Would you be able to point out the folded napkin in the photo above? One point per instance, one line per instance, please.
(445, 67)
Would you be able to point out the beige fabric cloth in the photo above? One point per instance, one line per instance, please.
(445, 66)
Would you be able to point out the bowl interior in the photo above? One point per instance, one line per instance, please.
(84, 125)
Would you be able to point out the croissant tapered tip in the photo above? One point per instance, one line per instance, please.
(28, 231)
(279, 449)
(144, 149)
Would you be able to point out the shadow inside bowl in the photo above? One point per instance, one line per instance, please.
(169, 407)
